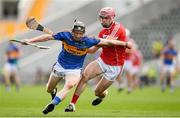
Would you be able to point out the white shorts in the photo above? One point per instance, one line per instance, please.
(128, 65)
(12, 68)
(134, 70)
(168, 69)
(110, 72)
(59, 71)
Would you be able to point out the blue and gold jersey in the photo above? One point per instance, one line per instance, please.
(169, 55)
(73, 52)
(12, 53)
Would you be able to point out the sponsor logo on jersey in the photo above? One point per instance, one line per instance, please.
(74, 50)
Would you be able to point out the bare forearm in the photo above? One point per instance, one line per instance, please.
(92, 49)
(40, 38)
(121, 43)
(115, 42)
(111, 42)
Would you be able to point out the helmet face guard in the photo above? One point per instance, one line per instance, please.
(79, 26)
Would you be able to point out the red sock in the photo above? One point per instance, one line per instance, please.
(74, 99)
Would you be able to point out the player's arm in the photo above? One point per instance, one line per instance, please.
(41, 38)
(19, 52)
(112, 42)
(45, 37)
(92, 49)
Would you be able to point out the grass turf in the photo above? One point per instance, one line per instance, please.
(149, 101)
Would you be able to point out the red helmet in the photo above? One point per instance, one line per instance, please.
(107, 12)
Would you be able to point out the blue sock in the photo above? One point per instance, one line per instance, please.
(56, 100)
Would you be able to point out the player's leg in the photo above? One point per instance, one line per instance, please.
(120, 82)
(93, 82)
(109, 77)
(101, 91)
(129, 81)
(172, 82)
(172, 79)
(137, 77)
(71, 79)
(127, 70)
(6, 76)
(15, 77)
(52, 82)
(51, 88)
(134, 81)
(17, 80)
(163, 80)
(91, 71)
(132, 78)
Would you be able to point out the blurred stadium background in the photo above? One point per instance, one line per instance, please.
(151, 22)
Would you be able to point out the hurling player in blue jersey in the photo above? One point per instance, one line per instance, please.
(10, 69)
(169, 64)
(75, 46)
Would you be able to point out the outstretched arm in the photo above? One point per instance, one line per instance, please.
(41, 38)
(93, 49)
(112, 42)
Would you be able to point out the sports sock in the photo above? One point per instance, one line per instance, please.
(74, 99)
(56, 100)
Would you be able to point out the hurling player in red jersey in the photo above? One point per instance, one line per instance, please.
(110, 63)
(136, 59)
(127, 65)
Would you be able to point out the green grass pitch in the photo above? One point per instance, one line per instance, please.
(150, 102)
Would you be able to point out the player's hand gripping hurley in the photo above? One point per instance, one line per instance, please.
(31, 23)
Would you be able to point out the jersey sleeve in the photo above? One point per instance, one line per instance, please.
(59, 36)
(93, 41)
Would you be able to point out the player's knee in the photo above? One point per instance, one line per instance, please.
(48, 89)
(97, 93)
(85, 77)
(70, 85)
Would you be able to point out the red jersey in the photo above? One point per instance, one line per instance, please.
(128, 56)
(114, 55)
(136, 58)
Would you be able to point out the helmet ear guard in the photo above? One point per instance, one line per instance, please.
(79, 26)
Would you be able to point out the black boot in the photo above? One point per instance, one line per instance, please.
(48, 108)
